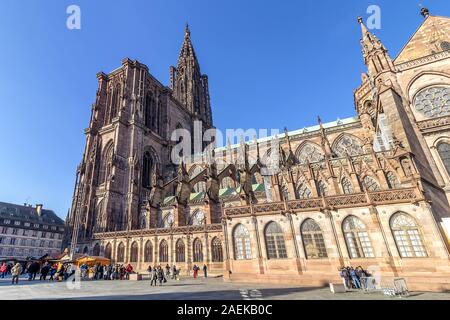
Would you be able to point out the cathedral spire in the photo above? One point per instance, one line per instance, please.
(375, 55)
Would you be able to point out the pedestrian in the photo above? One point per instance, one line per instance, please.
(174, 271)
(44, 271)
(33, 270)
(355, 278)
(345, 277)
(160, 276)
(53, 272)
(128, 271)
(205, 271)
(3, 270)
(167, 270)
(16, 271)
(154, 276)
(195, 269)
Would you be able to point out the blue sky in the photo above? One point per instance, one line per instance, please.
(270, 64)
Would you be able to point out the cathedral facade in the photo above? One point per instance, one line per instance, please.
(370, 191)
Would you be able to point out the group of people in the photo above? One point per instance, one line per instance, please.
(352, 276)
(55, 271)
(196, 268)
(157, 274)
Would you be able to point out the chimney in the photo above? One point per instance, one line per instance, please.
(39, 209)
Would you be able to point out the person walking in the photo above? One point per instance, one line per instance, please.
(174, 271)
(195, 269)
(3, 270)
(167, 270)
(128, 271)
(44, 271)
(345, 277)
(355, 278)
(160, 276)
(205, 271)
(53, 272)
(16, 271)
(154, 276)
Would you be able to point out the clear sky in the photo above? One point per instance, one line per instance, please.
(270, 64)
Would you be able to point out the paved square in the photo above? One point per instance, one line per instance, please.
(186, 289)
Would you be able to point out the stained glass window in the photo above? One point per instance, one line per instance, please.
(347, 144)
(303, 191)
(309, 153)
(276, 248)
(347, 186)
(370, 184)
(433, 102)
(322, 188)
(357, 238)
(180, 256)
(197, 218)
(121, 252)
(108, 250)
(134, 252)
(313, 240)
(198, 250)
(242, 248)
(216, 248)
(168, 220)
(392, 180)
(148, 252)
(407, 236)
(163, 251)
(444, 153)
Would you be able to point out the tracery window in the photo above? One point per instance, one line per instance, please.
(348, 144)
(242, 248)
(227, 182)
(433, 101)
(163, 251)
(303, 191)
(357, 238)
(147, 170)
(121, 252)
(180, 249)
(444, 152)
(309, 153)
(201, 185)
(347, 186)
(108, 250)
(392, 180)
(322, 188)
(148, 252)
(106, 164)
(313, 240)
(96, 250)
(168, 220)
(407, 236)
(134, 252)
(370, 184)
(216, 250)
(198, 250)
(275, 245)
(197, 218)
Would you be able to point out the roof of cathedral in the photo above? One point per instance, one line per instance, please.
(427, 39)
(29, 213)
(298, 132)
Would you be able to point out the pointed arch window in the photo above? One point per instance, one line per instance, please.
(370, 184)
(322, 188)
(149, 110)
(148, 251)
(226, 183)
(392, 180)
(216, 250)
(313, 240)
(198, 250)
(106, 164)
(347, 186)
(180, 251)
(96, 250)
(444, 152)
(242, 244)
(168, 220)
(115, 103)
(348, 144)
(134, 252)
(357, 238)
(197, 218)
(163, 251)
(147, 170)
(309, 153)
(303, 191)
(275, 245)
(121, 252)
(108, 251)
(407, 236)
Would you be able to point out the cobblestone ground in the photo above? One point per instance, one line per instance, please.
(186, 289)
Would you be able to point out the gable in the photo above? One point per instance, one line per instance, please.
(431, 37)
